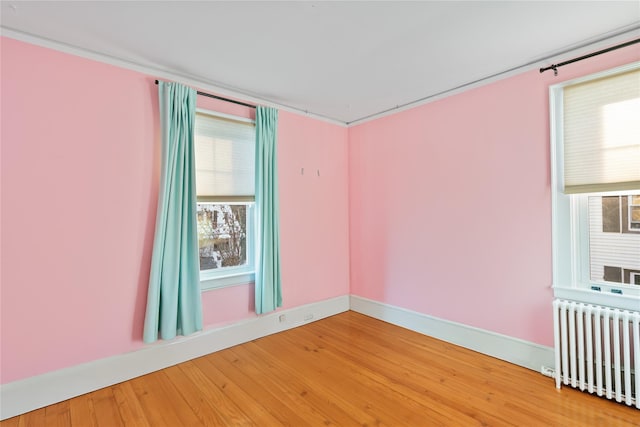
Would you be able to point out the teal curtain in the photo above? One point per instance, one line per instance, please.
(268, 283)
(174, 304)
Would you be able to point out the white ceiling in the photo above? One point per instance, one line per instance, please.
(340, 60)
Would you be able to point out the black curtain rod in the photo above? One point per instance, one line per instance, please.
(554, 67)
(208, 95)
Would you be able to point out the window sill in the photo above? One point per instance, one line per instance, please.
(624, 302)
(233, 279)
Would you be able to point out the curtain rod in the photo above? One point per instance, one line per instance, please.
(554, 67)
(208, 95)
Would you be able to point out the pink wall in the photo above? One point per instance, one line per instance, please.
(80, 164)
(314, 219)
(450, 207)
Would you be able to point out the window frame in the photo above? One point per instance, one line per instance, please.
(570, 222)
(241, 275)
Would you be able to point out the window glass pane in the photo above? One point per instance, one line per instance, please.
(222, 237)
(635, 217)
(611, 214)
(634, 213)
(631, 276)
(614, 250)
(612, 274)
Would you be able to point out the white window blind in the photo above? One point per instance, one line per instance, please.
(225, 159)
(602, 134)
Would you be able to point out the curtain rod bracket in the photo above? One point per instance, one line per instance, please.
(553, 67)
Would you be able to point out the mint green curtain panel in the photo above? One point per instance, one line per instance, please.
(268, 283)
(174, 304)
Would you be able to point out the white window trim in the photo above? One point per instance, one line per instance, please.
(233, 276)
(570, 255)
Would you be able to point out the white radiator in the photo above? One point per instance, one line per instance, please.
(597, 349)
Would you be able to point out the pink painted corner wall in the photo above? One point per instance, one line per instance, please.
(450, 206)
(80, 165)
(314, 209)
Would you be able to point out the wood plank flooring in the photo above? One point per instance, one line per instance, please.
(345, 370)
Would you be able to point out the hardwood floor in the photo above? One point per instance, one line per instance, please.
(346, 370)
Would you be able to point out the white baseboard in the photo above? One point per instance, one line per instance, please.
(513, 350)
(36, 392)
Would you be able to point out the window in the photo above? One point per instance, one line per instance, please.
(614, 248)
(225, 158)
(620, 214)
(595, 156)
(634, 213)
(621, 275)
